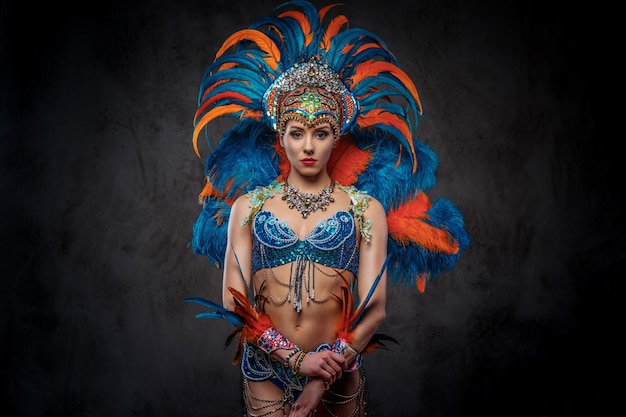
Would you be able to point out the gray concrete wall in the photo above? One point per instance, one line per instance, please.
(99, 186)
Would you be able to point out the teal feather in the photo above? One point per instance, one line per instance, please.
(218, 312)
(210, 231)
(363, 304)
(245, 156)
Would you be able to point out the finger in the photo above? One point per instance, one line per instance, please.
(334, 369)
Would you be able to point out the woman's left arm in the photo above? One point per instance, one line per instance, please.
(372, 258)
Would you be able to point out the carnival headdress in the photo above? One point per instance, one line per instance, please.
(293, 65)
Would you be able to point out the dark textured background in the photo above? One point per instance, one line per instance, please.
(99, 185)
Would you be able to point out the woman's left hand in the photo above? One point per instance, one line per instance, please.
(310, 398)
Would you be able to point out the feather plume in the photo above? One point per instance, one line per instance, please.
(204, 93)
(303, 22)
(255, 323)
(413, 262)
(227, 95)
(217, 312)
(376, 117)
(249, 324)
(367, 46)
(347, 161)
(358, 312)
(333, 28)
(324, 10)
(210, 231)
(218, 112)
(406, 226)
(371, 69)
(272, 56)
(351, 314)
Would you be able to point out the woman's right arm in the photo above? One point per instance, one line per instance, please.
(238, 258)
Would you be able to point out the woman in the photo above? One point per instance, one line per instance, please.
(319, 249)
(312, 199)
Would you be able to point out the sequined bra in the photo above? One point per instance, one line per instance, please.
(333, 242)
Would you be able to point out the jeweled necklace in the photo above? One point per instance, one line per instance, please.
(307, 203)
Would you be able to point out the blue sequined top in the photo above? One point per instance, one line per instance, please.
(333, 242)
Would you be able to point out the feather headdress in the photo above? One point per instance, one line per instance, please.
(378, 152)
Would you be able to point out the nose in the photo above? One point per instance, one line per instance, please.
(308, 145)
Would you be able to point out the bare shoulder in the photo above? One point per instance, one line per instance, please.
(240, 206)
(240, 210)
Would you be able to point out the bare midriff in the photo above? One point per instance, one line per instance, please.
(317, 322)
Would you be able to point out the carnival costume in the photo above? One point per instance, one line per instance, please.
(302, 66)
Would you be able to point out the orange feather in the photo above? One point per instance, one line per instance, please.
(227, 65)
(322, 12)
(373, 68)
(399, 157)
(284, 166)
(255, 322)
(406, 225)
(261, 39)
(367, 46)
(348, 311)
(346, 49)
(333, 28)
(220, 96)
(207, 91)
(218, 112)
(347, 161)
(421, 283)
(207, 191)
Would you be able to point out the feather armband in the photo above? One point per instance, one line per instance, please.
(249, 324)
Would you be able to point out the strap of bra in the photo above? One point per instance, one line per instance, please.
(257, 199)
(359, 202)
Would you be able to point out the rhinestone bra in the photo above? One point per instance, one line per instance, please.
(333, 242)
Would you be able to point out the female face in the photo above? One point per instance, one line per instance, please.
(308, 148)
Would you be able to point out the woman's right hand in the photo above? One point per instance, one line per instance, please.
(326, 364)
(309, 400)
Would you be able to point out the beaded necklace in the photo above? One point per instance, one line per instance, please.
(307, 203)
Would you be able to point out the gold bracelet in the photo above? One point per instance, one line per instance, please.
(295, 361)
(296, 367)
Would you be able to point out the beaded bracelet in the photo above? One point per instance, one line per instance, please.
(293, 352)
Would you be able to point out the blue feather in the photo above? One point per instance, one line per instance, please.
(367, 298)
(218, 313)
(410, 261)
(210, 231)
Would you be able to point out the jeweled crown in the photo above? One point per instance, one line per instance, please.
(309, 74)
